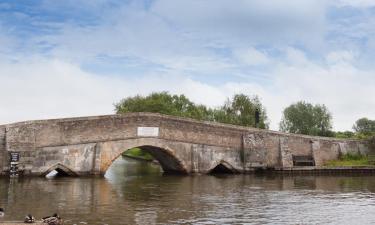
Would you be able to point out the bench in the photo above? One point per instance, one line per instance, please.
(371, 158)
(303, 160)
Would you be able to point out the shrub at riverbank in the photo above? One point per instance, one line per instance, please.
(350, 159)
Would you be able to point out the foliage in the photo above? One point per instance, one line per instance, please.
(164, 103)
(365, 130)
(365, 126)
(138, 153)
(352, 156)
(345, 134)
(350, 159)
(305, 118)
(240, 110)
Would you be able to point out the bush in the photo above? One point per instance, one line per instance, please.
(349, 159)
(352, 156)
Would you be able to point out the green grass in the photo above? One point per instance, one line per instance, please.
(138, 153)
(350, 159)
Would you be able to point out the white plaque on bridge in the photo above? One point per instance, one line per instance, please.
(148, 131)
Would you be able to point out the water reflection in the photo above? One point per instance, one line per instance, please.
(138, 193)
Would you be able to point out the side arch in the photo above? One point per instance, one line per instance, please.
(169, 158)
(61, 169)
(222, 167)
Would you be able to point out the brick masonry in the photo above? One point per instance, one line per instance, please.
(88, 145)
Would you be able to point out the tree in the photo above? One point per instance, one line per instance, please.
(305, 118)
(164, 103)
(241, 110)
(364, 126)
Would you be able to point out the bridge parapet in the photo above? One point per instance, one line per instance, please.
(35, 134)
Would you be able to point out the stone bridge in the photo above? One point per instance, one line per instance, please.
(88, 145)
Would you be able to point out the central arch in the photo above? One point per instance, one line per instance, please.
(168, 162)
(166, 156)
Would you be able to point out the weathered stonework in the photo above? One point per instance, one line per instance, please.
(88, 145)
(285, 153)
(255, 154)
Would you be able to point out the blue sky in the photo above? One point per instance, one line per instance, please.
(76, 57)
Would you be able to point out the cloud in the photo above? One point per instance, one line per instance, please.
(356, 3)
(174, 35)
(41, 89)
(251, 56)
(339, 57)
(342, 87)
(80, 58)
(250, 21)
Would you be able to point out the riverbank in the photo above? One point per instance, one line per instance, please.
(20, 223)
(328, 170)
(352, 160)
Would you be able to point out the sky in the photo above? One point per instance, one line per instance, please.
(78, 57)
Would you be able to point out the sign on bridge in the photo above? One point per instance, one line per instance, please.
(148, 131)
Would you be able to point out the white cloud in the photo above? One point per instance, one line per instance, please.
(340, 57)
(247, 21)
(43, 89)
(343, 88)
(207, 40)
(356, 3)
(295, 57)
(186, 31)
(251, 56)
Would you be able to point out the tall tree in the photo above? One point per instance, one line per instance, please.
(364, 126)
(164, 103)
(240, 110)
(305, 118)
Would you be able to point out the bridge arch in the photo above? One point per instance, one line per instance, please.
(222, 167)
(61, 170)
(167, 156)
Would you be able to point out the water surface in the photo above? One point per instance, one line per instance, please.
(138, 193)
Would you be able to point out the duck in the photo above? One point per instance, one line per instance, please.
(2, 214)
(52, 220)
(29, 219)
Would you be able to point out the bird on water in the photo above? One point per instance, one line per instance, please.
(2, 214)
(29, 219)
(53, 220)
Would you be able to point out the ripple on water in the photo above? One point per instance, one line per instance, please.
(125, 197)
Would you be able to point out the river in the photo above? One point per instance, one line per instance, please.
(135, 192)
